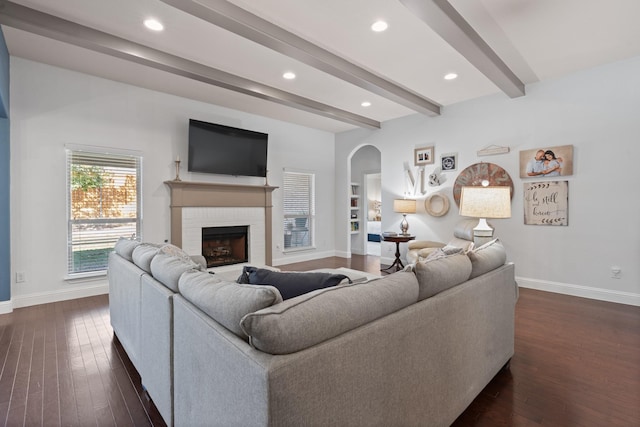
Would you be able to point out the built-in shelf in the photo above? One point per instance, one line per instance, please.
(354, 208)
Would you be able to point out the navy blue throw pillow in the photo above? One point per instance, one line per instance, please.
(290, 284)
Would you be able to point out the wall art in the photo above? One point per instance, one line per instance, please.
(475, 174)
(449, 162)
(546, 203)
(542, 162)
(423, 156)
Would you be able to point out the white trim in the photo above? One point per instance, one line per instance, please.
(303, 256)
(580, 291)
(61, 295)
(6, 307)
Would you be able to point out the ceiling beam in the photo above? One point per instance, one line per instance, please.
(36, 22)
(445, 20)
(245, 24)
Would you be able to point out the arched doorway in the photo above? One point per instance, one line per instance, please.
(365, 186)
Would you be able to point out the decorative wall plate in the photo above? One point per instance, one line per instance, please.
(476, 173)
(436, 197)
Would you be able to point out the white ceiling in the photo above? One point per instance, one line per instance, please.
(536, 39)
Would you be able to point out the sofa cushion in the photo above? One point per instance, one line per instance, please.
(312, 318)
(291, 284)
(124, 248)
(440, 274)
(167, 269)
(226, 302)
(143, 254)
(487, 257)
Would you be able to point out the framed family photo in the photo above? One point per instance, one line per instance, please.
(543, 162)
(423, 156)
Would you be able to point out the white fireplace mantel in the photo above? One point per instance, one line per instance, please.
(185, 194)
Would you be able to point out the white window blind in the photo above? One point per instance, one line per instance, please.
(299, 209)
(103, 203)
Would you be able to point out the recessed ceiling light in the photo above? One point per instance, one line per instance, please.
(289, 75)
(153, 24)
(379, 26)
(451, 76)
(366, 104)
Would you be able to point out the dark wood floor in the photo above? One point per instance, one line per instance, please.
(577, 363)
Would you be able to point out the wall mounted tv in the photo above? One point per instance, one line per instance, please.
(226, 150)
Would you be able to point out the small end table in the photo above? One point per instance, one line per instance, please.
(397, 264)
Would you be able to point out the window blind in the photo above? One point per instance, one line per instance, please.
(104, 204)
(298, 209)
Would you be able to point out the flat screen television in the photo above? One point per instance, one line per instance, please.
(226, 150)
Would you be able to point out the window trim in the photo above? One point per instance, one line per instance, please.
(311, 216)
(71, 276)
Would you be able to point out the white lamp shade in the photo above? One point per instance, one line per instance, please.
(406, 206)
(486, 202)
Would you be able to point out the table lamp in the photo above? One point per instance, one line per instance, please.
(483, 203)
(404, 206)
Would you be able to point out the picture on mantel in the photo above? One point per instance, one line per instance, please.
(546, 203)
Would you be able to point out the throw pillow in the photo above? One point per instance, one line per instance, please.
(290, 284)
(167, 269)
(226, 302)
(442, 273)
(143, 254)
(487, 257)
(124, 247)
(318, 316)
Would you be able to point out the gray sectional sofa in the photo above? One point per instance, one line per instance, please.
(412, 348)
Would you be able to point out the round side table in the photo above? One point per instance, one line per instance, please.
(397, 264)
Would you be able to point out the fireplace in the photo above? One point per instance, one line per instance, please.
(225, 245)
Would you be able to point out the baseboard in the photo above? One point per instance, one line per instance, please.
(302, 256)
(61, 295)
(6, 307)
(580, 291)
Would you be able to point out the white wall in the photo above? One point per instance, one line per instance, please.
(597, 112)
(51, 107)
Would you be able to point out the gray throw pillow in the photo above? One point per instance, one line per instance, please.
(487, 257)
(143, 254)
(293, 283)
(442, 273)
(226, 302)
(124, 248)
(167, 269)
(312, 318)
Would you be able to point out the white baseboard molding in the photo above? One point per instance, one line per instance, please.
(293, 257)
(6, 307)
(580, 291)
(61, 295)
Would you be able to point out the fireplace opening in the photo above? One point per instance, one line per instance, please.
(225, 245)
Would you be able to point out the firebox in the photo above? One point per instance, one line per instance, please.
(225, 245)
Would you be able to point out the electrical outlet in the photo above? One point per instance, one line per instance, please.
(20, 277)
(616, 272)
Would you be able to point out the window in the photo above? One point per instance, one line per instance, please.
(103, 203)
(299, 210)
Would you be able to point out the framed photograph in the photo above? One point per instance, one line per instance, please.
(546, 203)
(543, 162)
(423, 156)
(449, 162)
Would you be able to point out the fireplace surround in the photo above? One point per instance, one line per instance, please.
(186, 195)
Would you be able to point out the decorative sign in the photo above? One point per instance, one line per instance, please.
(546, 203)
